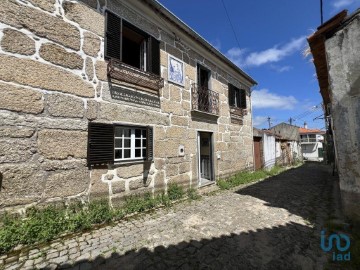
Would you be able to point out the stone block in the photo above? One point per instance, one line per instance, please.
(40, 23)
(117, 187)
(92, 109)
(186, 106)
(165, 91)
(113, 112)
(101, 70)
(91, 3)
(181, 180)
(175, 93)
(59, 56)
(159, 164)
(173, 51)
(67, 183)
(159, 134)
(16, 150)
(172, 169)
(40, 75)
(16, 132)
(184, 167)
(168, 148)
(86, 17)
(180, 121)
(163, 58)
(91, 44)
(21, 184)
(16, 42)
(159, 180)
(190, 72)
(136, 184)
(176, 132)
(20, 99)
(55, 165)
(98, 188)
(171, 107)
(48, 5)
(41, 122)
(64, 106)
(185, 95)
(89, 68)
(61, 144)
(128, 171)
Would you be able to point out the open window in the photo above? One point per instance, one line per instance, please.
(109, 144)
(130, 45)
(237, 97)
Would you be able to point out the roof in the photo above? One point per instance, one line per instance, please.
(317, 46)
(312, 131)
(184, 27)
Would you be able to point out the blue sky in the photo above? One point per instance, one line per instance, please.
(271, 40)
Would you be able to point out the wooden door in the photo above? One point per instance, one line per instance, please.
(257, 153)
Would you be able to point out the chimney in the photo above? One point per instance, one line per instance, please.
(305, 125)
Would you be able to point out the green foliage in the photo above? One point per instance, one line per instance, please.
(248, 177)
(175, 192)
(42, 225)
(192, 194)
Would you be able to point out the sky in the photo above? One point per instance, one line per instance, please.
(267, 39)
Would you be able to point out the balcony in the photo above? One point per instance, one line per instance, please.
(204, 100)
(308, 140)
(125, 73)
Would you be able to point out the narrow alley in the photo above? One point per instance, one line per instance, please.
(272, 224)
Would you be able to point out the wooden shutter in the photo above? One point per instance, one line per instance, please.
(231, 95)
(153, 56)
(149, 144)
(243, 99)
(113, 36)
(100, 143)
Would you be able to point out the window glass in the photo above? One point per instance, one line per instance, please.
(130, 143)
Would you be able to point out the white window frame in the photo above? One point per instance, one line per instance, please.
(132, 144)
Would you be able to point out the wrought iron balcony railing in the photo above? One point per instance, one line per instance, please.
(205, 100)
(122, 72)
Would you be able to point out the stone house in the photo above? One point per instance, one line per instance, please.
(102, 99)
(335, 48)
(287, 145)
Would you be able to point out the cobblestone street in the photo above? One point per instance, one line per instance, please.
(272, 224)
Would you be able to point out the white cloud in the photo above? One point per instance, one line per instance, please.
(281, 69)
(263, 98)
(259, 121)
(274, 54)
(342, 3)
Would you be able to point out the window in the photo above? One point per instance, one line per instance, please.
(130, 143)
(130, 45)
(109, 143)
(237, 97)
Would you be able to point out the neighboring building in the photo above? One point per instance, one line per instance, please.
(103, 101)
(335, 48)
(287, 146)
(311, 141)
(264, 149)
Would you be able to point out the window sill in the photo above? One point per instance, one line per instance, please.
(130, 162)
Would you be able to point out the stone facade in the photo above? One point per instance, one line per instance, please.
(343, 52)
(54, 81)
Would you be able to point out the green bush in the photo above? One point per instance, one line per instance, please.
(192, 194)
(175, 192)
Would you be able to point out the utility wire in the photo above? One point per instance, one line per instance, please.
(232, 27)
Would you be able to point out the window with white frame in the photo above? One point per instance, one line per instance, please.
(130, 143)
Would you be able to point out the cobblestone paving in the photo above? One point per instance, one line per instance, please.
(272, 224)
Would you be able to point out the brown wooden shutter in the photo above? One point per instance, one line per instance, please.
(243, 99)
(113, 36)
(100, 143)
(231, 95)
(149, 144)
(153, 56)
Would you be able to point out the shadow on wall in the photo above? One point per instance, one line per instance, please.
(283, 247)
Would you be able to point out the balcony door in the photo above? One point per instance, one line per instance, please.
(203, 77)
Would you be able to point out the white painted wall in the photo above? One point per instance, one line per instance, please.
(269, 150)
(310, 151)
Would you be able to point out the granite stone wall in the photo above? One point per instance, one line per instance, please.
(53, 81)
